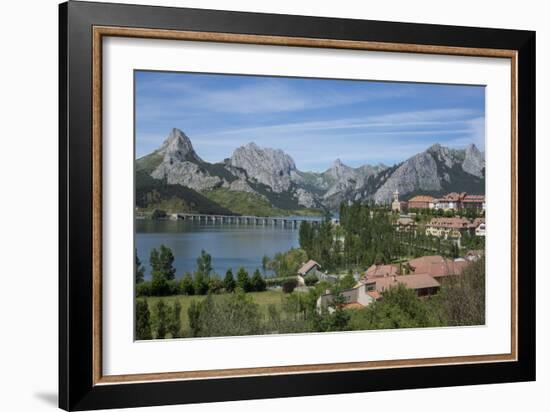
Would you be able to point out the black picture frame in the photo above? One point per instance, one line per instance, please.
(77, 390)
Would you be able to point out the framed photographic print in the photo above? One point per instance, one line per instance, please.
(257, 205)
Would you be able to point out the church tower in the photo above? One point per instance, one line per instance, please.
(396, 204)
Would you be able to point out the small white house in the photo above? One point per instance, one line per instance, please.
(354, 298)
(480, 230)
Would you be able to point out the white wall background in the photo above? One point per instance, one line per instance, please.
(28, 178)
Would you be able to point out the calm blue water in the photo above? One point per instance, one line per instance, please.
(230, 245)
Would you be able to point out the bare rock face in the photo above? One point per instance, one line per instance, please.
(442, 154)
(474, 161)
(306, 198)
(268, 166)
(187, 174)
(342, 179)
(418, 173)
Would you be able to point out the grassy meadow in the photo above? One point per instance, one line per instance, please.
(263, 299)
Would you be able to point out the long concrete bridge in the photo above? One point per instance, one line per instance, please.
(282, 221)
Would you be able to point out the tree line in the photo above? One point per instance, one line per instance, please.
(203, 280)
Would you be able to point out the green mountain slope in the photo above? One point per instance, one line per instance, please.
(155, 194)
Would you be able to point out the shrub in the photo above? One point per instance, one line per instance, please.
(243, 281)
(186, 286)
(158, 214)
(399, 307)
(143, 289)
(162, 319)
(174, 325)
(463, 296)
(289, 285)
(160, 286)
(278, 281)
(200, 284)
(347, 282)
(143, 320)
(228, 315)
(229, 281)
(193, 314)
(311, 279)
(215, 285)
(173, 287)
(257, 282)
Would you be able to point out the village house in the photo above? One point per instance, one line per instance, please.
(405, 224)
(311, 267)
(451, 201)
(437, 266)
(476, 202)
(447, 227)
(421, 202)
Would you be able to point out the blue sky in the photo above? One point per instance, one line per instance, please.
(314, 120)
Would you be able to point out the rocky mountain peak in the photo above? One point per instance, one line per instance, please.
(435, 148)
(178, 148)
(339, 171)
(271, 167)
(444, 155)
(474, 161)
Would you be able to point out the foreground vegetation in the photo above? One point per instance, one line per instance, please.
(460, 302)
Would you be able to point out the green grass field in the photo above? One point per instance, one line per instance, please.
(264, 299)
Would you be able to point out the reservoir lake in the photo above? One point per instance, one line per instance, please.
(230, 245)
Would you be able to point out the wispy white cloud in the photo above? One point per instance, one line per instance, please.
(265, 96)
(399, 120)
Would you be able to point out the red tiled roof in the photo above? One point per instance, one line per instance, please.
(437, 266)
(375, 271)
(418, 281)
(453, 197)
(421, 199)
(449, 222)
(415, 281)
(374, 294)
(474, 199)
